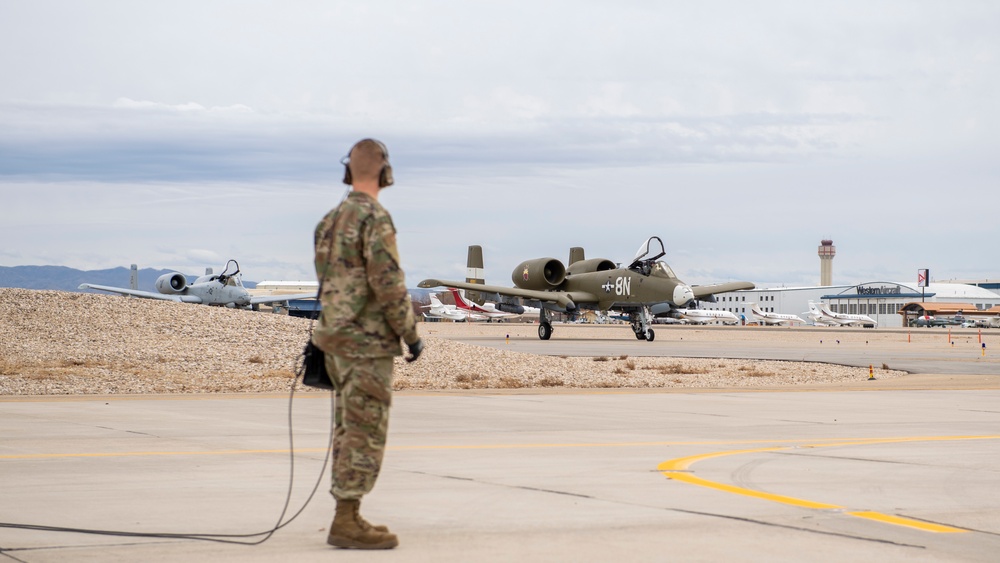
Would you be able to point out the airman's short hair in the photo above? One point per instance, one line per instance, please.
(369, 160)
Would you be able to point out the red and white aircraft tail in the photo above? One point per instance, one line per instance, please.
(450, 312)
(475, 273)
(489, 310)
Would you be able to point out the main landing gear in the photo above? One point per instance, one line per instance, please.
(544, 331)
(544, 325)
(640, 325)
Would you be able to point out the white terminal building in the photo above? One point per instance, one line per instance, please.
(882, 301)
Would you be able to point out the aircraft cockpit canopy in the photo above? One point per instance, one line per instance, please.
(662, 270)
(233, 279)
(652, 249)
(645, 261)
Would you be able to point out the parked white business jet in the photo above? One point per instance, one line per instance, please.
(817, 317)
(451, 312)
(705, 316)
(773, 318)
(489, 310)
(822, 315)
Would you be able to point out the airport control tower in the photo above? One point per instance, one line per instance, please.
(826, 253)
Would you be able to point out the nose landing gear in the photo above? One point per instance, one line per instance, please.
(641, 320)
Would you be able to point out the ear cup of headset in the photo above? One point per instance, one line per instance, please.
(385, 176)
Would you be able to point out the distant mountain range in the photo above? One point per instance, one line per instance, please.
(61, 278)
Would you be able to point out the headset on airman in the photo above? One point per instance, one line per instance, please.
(385, 174)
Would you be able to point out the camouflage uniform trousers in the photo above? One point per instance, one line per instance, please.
(363, 388)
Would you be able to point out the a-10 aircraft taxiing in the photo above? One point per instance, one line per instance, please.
(222, 290)
(646, 287)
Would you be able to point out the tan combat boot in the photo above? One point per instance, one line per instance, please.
(366, 524)
(349, 529)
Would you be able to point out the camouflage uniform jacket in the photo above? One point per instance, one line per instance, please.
(366, 308)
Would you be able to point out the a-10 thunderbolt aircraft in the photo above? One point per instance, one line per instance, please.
(645, 288)
(223, 290)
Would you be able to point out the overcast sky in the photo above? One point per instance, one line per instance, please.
(182, 134)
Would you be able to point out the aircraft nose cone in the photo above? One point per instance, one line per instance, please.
(683, 295)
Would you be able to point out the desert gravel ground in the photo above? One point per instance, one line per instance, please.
(60, 343)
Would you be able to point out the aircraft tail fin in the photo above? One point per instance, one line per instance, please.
(576, 254)
(460, 301)
(133, 277)
(475, 272)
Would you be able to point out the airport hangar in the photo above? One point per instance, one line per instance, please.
(882, 301)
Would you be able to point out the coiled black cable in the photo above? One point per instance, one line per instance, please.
(220, 538)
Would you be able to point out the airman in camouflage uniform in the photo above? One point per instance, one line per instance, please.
(366, 311)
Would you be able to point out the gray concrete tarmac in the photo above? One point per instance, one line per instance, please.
(844, 346)
(780, 475)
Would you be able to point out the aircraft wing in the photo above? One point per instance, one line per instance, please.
(142, 294)
(267, 299)
(565, 299)
(701, 291)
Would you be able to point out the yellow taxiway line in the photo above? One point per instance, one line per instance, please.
(677, 469)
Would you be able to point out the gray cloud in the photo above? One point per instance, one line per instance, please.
(743, 134)
(132, 141)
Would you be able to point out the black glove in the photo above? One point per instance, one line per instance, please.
(415, 349)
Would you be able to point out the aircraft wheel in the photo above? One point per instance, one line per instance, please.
(650, 335)
(639, 335)
(544, 331)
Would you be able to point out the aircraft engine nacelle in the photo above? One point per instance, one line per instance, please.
(540, 274)
(592, 265)
(171, 284)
